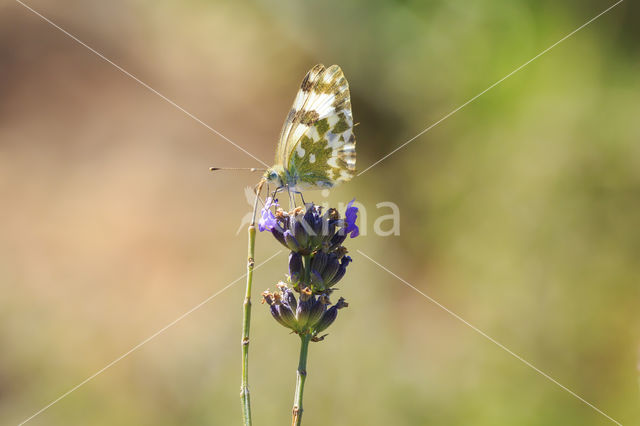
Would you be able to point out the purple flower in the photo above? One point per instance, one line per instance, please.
(309, 229)
(306, 315)
(350, 217)
(267, 219)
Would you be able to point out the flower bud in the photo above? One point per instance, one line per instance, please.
(327, 319)
(279, 235)
(336, 240)
(291, 241)
(341, 271)
(332, 267)
(276, 315)
(287, 316)
(290, 299)
(319, 261)
(313, 218)
(303, 311)
(318, 308)
(338, 276)
(316, 281)
(329, 316)
(299, 232)
(296, 268)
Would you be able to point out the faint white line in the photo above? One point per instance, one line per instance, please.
(147, 340)
(458, 317)
(142, 83)
(491, 87)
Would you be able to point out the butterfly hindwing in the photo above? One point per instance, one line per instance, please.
(317, 144)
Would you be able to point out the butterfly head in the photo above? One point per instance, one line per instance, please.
(276, 176)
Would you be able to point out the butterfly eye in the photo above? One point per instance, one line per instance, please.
(273, 176)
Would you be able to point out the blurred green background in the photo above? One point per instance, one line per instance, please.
(520, 212)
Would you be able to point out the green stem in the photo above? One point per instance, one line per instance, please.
(246, 317)
(301, 376)
(246, 323)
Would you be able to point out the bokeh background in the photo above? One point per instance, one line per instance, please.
(520, 212)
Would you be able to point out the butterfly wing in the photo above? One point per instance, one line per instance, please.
(317, 146)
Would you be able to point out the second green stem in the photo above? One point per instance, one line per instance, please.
(301, 376)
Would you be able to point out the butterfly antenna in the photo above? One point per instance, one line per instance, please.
(251, 169)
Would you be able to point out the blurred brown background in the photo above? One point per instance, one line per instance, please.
(519, 213)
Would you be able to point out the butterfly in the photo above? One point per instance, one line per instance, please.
(317, 147)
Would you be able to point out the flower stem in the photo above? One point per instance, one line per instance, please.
(301, 376)
(246, 315)
(246, 323)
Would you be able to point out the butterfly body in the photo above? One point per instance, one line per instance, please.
(317, 147)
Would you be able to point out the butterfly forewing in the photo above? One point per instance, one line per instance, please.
(317, 144)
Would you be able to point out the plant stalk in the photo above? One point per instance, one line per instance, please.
(246, 314)
(301, 376)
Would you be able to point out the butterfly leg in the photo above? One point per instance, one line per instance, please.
(278, 189)
(301, 197)
(292, 198)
